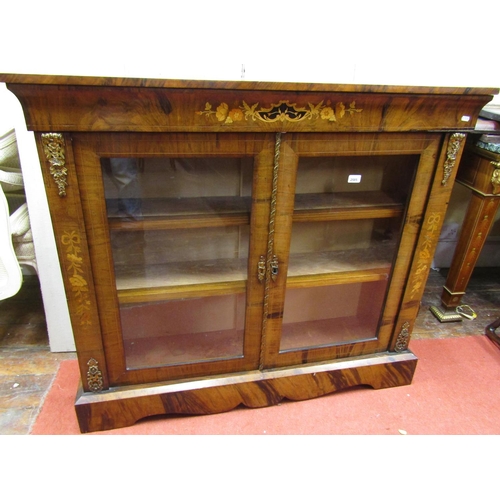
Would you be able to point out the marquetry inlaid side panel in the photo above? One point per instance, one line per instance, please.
(430, 229)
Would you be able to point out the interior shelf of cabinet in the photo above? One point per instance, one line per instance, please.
(180, 280)
(225, 276)
(345, 206)
(185, 213)
(340, 266)
(180, 213)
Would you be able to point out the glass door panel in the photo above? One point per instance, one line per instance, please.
(347, 222)
(332, 314)
(179, 232)
(180, 331)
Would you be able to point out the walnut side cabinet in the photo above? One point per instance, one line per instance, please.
(240, 243)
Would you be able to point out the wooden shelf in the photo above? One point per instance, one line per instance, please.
(179, 222)
(345, 206)
(340, 278)
(225, 276)
(180, 280)
(162, 293)
(183, 213)
(308, 267)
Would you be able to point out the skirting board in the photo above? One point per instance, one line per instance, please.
(123, 406)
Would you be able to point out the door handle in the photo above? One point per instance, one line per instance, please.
(261, 268)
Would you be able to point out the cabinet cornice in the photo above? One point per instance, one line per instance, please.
(87, 104)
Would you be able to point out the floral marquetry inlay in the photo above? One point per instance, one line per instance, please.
(283, 111)
(424, 254)
(74, 265)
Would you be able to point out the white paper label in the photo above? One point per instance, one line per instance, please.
(354, 179)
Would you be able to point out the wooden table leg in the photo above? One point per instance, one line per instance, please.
(477, 224)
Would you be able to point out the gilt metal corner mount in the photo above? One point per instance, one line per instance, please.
(54, 149)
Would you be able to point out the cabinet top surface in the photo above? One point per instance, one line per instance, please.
(101, 81)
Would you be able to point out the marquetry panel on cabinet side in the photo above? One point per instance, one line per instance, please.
(63, 193)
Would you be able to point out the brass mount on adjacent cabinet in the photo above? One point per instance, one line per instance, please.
(495, 177)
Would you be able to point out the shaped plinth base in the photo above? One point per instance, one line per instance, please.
(445, 315)
(123, 406)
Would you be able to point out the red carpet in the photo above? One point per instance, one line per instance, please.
(455, 391)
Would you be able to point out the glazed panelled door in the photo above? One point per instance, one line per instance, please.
(179, 219)
(218, 253)
(344, 203)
